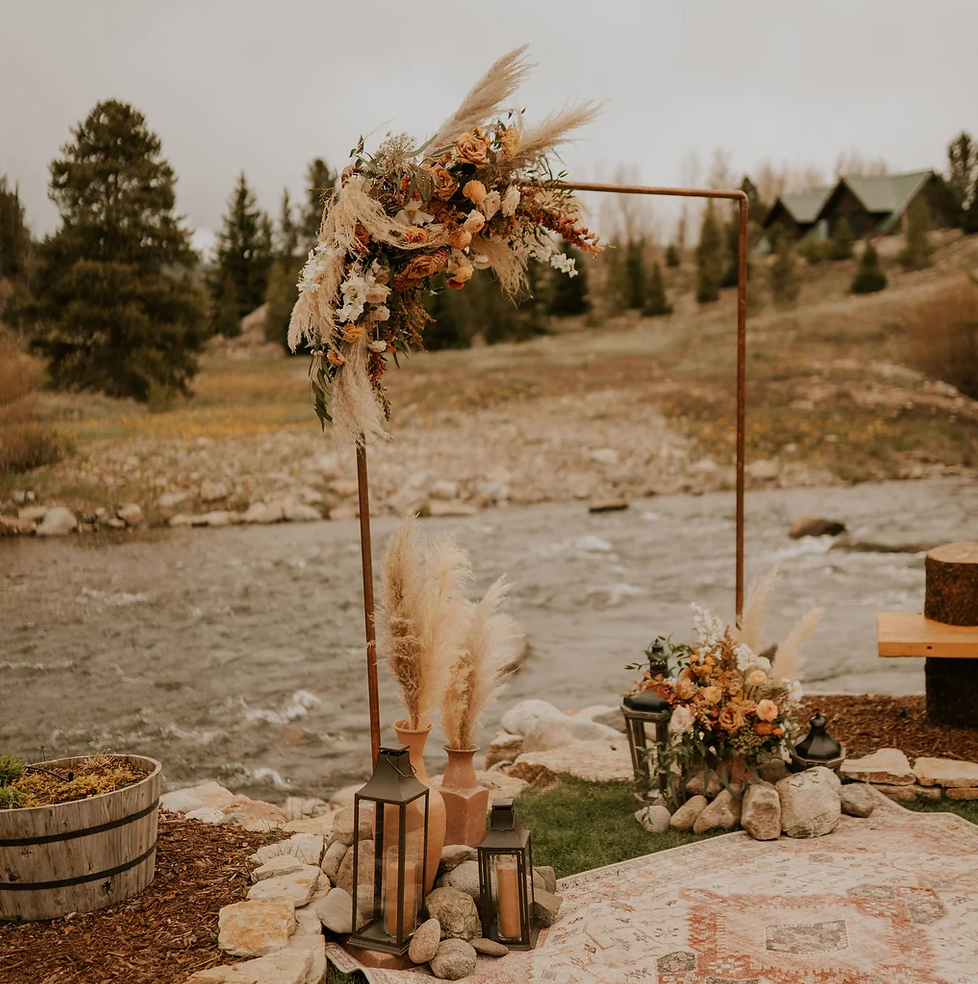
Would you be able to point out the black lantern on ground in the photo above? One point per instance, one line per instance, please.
(387, 901)
(506, 880)
(817, 747)
(640, 710)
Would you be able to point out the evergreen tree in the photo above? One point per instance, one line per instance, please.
(635, 273)
(244, 257)
(320, 182)
(117, 309)
(783, 276)
(15, 236)
(841, 248)
(756, 209)
(969, 220)
(656, 303)
(813, 249)
(731, 233)
(869, 276)
(672, 256)
(570, 294)
(287, 237)
(709, 258)
(448, 330)
(962, 174)
(281, 296)
(227, 313)
(916, 254)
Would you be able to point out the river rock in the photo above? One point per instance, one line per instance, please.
(57, 521)
(816, 526)
(685, 817)
(295, 511)
(288, 966)
(284, 864)
(263, 512)
(182, 519)
(547, 875)
(15, 526)
(453, 960)
(545, 907)
(550, 733)
(256, 927)
(949, 773)
(655, 819)
(760, 813)
(343, 798)
(522, 716)
(963, 793)
(335, 911)
(343, 824)
(218, 518)
(32, 514)
(297, 887)
(333, 858)
(722, 814)
(703, 783)
(213, 491)
(453, 855)
(424, 943)
(130, 514)
(857, 799)
(810, 803)
(592, 761)
(489, 948)
(773, 770)
(888, 765)
(456, 912)
(464, 877)
(504, 748)
(611, 717)
(443, 489)
(344, 877)
(266, 816)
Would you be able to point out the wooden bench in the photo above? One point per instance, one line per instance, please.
(910, 634)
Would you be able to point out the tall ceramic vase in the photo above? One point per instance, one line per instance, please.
(466, 802)
(415, 741)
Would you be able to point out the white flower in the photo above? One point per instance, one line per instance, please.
(480, 261)
(564, 263)
(377, 346)
(795, 691)
(381, 313)
(413, 214)
(377, 293)
(709, 629)
(681, 721)
(510, 200)
(354, 290)
(490, 204)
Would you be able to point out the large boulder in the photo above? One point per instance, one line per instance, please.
(453, 960)
(722, 814)
(521, 717)
(548, 733)
(456, 912)
(858, 799)
(685, 817)
(810, 803)
(760, 813)
(592, 761)
(464, 877)
(949, 773)
(255, 928)
(816, 526)
(57, 522)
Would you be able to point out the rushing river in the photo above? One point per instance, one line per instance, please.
(237, 653)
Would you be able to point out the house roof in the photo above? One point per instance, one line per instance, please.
(803, 206)
(887, 195)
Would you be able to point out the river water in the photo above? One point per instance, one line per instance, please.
(236, 654)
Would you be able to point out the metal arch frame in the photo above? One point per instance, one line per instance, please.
(362, 482)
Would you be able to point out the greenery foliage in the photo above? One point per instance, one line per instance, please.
(916, 254)
(320, 182)
(117, 309)
(869, 276)
(841, 242)
(11, 769)
(709, 258)
(656, 302)
(15, 236)
(672, 256)
(571, 295)
(962, 177)
(634, 271)
(783, 275)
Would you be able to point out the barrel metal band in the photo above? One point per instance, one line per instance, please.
(71, 834)
(80, 880)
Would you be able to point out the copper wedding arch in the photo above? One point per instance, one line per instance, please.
(363, 488)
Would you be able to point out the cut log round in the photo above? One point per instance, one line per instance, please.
(82, 855)
(951, 574)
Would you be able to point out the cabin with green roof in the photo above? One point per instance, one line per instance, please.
(796, 214)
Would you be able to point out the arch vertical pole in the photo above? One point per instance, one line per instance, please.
(370, 630)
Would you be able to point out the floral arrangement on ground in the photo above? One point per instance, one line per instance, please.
(480, 194)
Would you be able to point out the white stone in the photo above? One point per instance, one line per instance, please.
(550, 733)
(208, 814)
(255, 928)
(722, 814)
(220, 517)
(343, 824)
(213, 491)
(171, 499)
(57, 521)
(315, 946)
(764, 469)
(182, 519)
(180, 801)
(888, 765)
(284, 864)
(810, 803)
(522, 716)
(592, 761)
(344, 797)
(263, 512)
(333, 859)
(210, 794)
(335, 911)
(32, 514)
(305, 807)
(685, 817)
(604, 456)
(760, 813)
(949, 773)
(130, 514)
(307, 848)
(443, 489)
(655, 819)
(504, 748)
(288, 966)
(296, 887)
(439, 507)
(298, 512)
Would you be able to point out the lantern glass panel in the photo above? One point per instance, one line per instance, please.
(389, 861)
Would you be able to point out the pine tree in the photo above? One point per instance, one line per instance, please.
(117, 309)
(841, 248)
(320, 181)
(287, 237)
(731, 232)
(281, 296)
(15, 236)
(672, 256)
(962, 174)
(869, 276)
(227, 313)
(570, 294)
(783, 276)
(969, 220)
(447, 331)
(656, 303)
(244, 256)
(635, 273)
(756, 209)
(709, 258)
(916, 254)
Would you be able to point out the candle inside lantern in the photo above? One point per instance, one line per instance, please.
(508, 898)
(412, 891)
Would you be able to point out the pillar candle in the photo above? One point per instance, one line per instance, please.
(412, 876)
(508, 898)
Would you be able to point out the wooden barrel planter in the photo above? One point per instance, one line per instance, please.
(83, 855)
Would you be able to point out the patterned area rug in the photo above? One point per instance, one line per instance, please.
(888, 900)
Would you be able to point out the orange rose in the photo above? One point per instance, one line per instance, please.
(475, 192)
(459, 238)
(471, 149)
(509, 142)
(767, 710)
(363, 237)
(765, 728)
(445, 184)
(415, 235)
(352, 333)
(461, 270)
(335, 359)
(731, 719)
(420, 267)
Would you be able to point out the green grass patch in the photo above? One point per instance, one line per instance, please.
(967, 809)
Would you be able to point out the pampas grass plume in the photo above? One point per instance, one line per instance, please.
(750, 628)
(789, 660)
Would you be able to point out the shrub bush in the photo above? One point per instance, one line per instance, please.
(20, 373)
(869, 276)
(26, 445)
(11, 769)
(941, 336)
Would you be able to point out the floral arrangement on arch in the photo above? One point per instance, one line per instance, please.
(730, 702)
(480, 194)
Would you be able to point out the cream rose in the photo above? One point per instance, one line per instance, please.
(510, 200)
(459, 238)
(471, 149)
(681, 721)
(767, 710)
(756, 678)
(474, 221)
(490, 204)
(475, 192)
(437, 235)
(377, 294)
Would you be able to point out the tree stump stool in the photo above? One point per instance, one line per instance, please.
(946, 634)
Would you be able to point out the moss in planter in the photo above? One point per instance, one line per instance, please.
(93, 777)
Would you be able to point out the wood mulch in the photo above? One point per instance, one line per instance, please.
(163, 935)
(866, 723)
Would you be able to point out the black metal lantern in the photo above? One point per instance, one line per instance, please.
(640, 710)
(386, 915)
(817, 747)
(506, 880)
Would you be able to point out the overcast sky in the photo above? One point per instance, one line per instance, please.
(265, 85)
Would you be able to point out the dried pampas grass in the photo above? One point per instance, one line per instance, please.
(424, 617)
(552, 132)
(750, 628)
(789, 660)
(477, 676)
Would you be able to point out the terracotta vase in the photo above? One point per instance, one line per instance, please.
(466, 802)
(415, 741)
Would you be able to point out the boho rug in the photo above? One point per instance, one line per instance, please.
(888, 900)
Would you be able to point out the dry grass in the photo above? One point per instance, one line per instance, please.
(941, 335)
